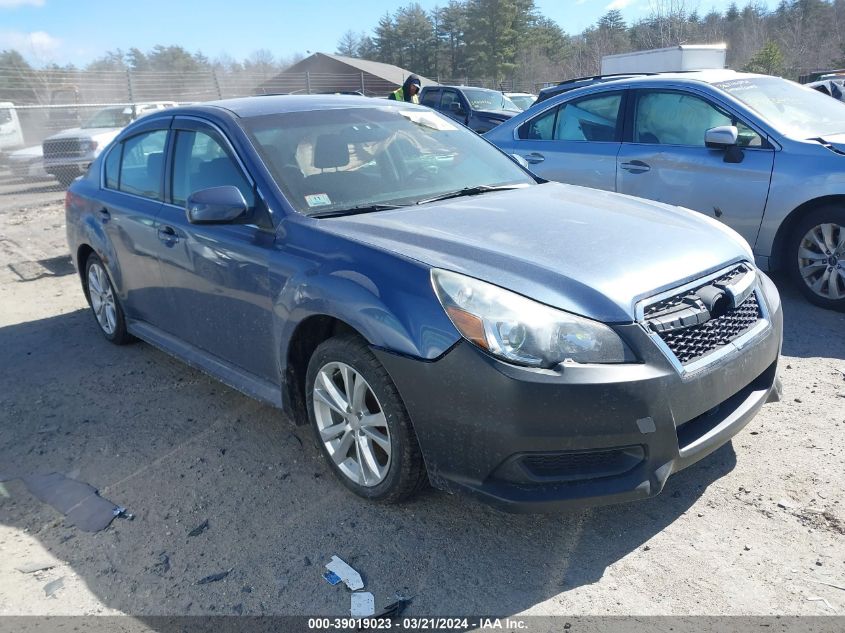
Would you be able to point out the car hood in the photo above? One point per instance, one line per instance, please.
(497, 114)
(582, 250)
(836, 141)
(85, 132)
(28, 153)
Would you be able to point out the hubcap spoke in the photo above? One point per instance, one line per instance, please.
(359, 393)
(837, 278)
(339, 399)
(332, 432)
(377, 437)
(322, 396)
(370, 462)
(374, 419)
(827, 236)
(341, 452)
(360, 460)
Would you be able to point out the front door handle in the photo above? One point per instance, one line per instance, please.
(636, 167)
(167, 234)
(534, 158)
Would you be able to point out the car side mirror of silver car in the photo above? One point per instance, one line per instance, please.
(216, 205)
(721, 137)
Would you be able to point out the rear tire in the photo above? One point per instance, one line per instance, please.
(360, 422)
(104, 303)
(815, 257)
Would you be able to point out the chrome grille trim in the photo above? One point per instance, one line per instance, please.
(663, 299)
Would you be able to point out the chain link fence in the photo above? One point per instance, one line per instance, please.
(35, 105)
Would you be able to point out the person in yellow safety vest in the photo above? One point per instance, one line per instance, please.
(409, 91)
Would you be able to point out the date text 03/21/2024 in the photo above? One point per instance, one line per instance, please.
(418, 624)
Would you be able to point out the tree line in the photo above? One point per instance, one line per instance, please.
(510, 39)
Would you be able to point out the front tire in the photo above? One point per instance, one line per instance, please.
(104, 303)
(816, 257)
(360, 422)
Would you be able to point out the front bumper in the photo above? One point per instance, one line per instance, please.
(531, 440)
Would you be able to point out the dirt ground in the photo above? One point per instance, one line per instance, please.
(756, 528)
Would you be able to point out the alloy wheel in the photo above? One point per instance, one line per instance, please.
(821, 260)
(102, 298)
(352, 424)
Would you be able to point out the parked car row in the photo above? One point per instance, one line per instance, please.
(435, 311)
(67, 154)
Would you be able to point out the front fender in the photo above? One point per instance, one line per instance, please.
(392, 306)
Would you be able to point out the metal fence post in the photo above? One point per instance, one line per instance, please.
(217, 84)
(362, 83)
(129, 87)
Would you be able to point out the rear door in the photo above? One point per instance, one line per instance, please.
(577, 141)
(666, 159)
(217, 275)
(131, 198)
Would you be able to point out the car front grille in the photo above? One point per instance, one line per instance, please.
(65, 148)
(696, 333)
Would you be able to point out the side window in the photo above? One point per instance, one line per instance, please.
(142, 164)
(112, 166)
(676, 118)
(431, 98)
(449, 97)
(539, 128)
(201, 162)
(589, 119)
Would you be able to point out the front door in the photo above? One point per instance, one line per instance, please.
(668, 161)
(218, 274)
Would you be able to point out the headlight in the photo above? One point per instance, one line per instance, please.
(522, 331)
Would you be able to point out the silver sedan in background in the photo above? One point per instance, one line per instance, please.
(762, 154)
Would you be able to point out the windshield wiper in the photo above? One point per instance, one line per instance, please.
(468, 191)
(368, 208)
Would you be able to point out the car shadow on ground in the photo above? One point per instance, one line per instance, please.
(809, 331)
(178, 448)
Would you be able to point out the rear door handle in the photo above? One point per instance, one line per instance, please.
(534, 158)
(167, 234)
(636, 167)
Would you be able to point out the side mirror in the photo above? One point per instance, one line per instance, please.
(721, 137)
(216, 205)
(456, 108)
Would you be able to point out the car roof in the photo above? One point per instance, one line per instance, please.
(246, 107)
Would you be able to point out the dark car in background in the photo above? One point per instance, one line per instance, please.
(433, 310)
(479, 109)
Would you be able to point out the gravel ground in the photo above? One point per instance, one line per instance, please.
(754, 529)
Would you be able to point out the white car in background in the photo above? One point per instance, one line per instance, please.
(68, 153)
(523, 100)
(27, 163)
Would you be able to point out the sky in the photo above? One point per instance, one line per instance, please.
(79, 31)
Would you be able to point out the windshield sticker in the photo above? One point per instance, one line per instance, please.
(318, 200)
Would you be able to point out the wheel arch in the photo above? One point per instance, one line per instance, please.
(306, 337)
(779, 255)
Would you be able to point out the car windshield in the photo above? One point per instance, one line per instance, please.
(5, 115)
(523, 102)
(481, 99)
(110, 117)
(795, 110)
(354, 158)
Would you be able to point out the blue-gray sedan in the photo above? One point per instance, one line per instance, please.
(434, 312)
